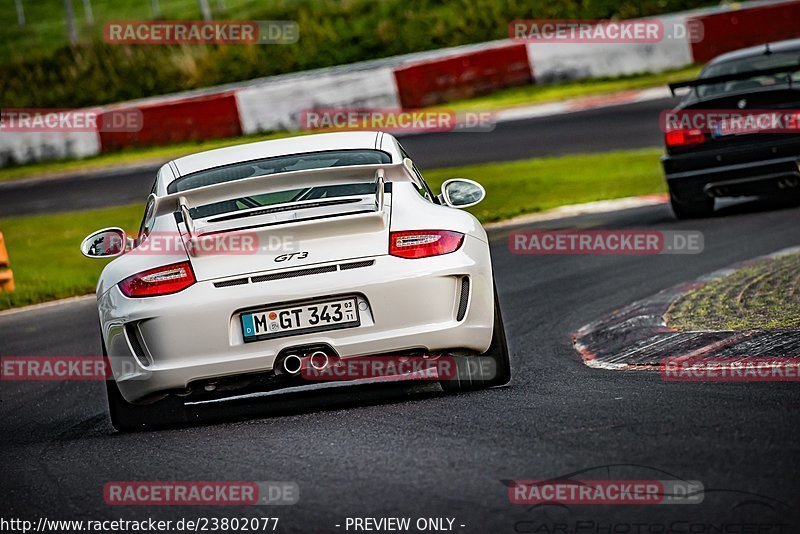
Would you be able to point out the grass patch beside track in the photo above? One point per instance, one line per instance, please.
(763, 296)
(44, 255)
(47, 264)
(529, 186)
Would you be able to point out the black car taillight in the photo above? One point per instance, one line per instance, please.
(684, 137)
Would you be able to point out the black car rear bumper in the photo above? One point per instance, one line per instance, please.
(688, 177)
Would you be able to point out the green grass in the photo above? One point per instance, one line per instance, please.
(44, 255)
(762, 296)
(535, 185)
(48, 265)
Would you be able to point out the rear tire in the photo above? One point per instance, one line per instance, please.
(691, 208)
(127, 417)
(469, 376)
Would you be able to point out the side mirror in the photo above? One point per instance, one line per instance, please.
(461, 193)
(105, 243)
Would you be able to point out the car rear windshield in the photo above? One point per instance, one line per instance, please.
(750, 64)
(276, 165)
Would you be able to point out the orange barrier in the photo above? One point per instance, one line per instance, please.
(6, 275)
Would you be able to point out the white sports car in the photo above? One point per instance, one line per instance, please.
(254, 260)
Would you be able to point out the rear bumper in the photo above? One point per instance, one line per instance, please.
(728, 173)
(161, 344)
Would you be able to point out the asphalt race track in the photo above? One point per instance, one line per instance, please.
(598, 130)
(411, 451)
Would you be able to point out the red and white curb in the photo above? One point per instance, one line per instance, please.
(636, 337)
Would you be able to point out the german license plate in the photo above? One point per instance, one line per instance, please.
(300, 319)
(760, 123)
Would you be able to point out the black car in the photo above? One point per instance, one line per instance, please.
(709, 159)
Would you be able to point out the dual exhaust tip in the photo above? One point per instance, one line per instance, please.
(292, 363)
(790, 182)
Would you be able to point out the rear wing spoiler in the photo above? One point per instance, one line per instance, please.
(791, 69)
(183, 201)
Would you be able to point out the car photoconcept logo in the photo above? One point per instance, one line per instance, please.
(741, 104)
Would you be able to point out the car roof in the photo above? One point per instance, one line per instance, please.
(277, 147)
(790, 45)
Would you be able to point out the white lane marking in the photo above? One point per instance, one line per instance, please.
(51, 304)
(600, 206)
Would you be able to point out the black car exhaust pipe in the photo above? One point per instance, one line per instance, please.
(318, 360)
(291, 364)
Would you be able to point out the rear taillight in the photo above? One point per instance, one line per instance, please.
(159, 281)
(424, 243)
(684, 137)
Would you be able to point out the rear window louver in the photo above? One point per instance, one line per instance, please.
(294, 274)
(278, 209)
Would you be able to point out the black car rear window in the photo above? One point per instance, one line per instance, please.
(750, 64)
